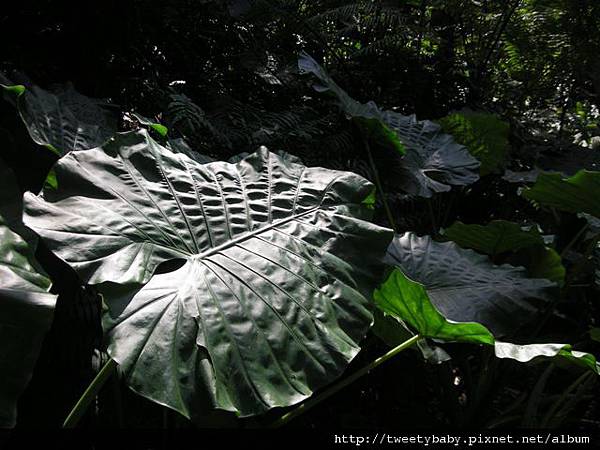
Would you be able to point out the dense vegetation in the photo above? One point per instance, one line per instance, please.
(430, 187)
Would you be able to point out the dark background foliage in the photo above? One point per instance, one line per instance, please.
(224, 76)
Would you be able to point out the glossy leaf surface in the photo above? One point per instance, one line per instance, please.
(65, 120)
(465, 286)
(26, 306)
(278, 264)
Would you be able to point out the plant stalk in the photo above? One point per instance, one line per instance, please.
(563, 398)
(308, 404)
(574, 240)
(90, 393)
(378, 185)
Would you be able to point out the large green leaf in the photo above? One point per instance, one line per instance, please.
(26, 307)
(500, 237)
(495, 238)
(433, 161)
(577, 194)
(484, 135)
(411, 302)
(279, 262)
(465, 286)
(64, 120)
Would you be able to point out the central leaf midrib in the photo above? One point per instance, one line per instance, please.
(247, 236)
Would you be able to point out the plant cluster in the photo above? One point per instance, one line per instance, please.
(228, 276)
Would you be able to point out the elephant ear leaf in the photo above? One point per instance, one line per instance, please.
(411, 302)
(26, 306)
(64, 120)
(278, 262)
(365, 115)
(465, 286)
(433, 161)
(576, 194)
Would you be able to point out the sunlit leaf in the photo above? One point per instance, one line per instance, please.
(278, 262)
(410, 302)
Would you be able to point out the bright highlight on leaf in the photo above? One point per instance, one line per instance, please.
(26, 306)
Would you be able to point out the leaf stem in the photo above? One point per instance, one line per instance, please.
(574, 240)
(377, 180)
(90, 393)
(581, 380)
(313, 401)
(432, 216)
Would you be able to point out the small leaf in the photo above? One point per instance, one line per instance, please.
(51, 181)
(17, 89)
(370, 200)
(159, 128)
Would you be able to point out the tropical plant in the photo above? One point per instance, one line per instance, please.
(439, 215)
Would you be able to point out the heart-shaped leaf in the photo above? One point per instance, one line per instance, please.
(279, 261)
(434, 161)
(465, 286)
